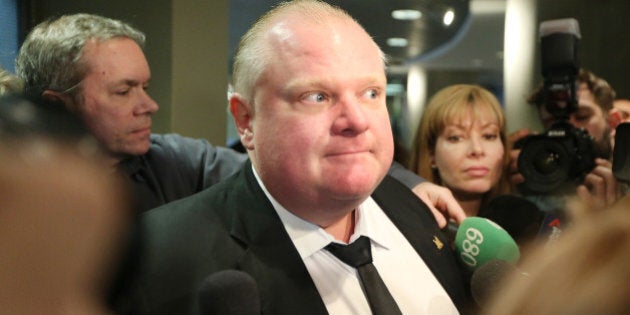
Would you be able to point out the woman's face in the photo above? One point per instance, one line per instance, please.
(469, 153)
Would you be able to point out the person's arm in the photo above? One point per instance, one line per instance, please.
(405, 176)
(200, 162)
(516, 177)
(439, 199)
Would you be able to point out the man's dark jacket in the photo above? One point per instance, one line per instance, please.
(233, 225)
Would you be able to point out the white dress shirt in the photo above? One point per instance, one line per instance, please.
(409, 280)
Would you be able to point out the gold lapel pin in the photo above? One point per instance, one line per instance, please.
(437, 242)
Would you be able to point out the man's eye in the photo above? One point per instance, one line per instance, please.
(123, 92)
(581, 116)
(315, 97)
(372, 93)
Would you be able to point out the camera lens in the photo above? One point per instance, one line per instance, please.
(547, 163)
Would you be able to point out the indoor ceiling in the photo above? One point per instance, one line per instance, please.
(475, 32)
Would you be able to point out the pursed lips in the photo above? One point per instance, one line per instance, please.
(477, 171)
(142, 129)
(347, 152)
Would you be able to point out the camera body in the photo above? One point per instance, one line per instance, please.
(557, 160)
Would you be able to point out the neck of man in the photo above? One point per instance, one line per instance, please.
(342, 229)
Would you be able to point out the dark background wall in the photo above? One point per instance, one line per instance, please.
(187, 48)
(605, 44)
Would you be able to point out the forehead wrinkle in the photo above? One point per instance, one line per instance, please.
(329, 83)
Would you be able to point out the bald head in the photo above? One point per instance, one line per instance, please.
(257, 46)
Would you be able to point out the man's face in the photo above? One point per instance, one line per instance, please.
(321, 132)
(588, 116)
(113, 100)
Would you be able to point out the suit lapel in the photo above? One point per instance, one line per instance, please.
(270, 256)
(416, 222)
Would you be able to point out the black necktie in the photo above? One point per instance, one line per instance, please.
(359, 255)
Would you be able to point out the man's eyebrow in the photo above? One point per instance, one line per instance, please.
(128, 82)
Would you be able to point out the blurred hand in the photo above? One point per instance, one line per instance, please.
(515, 176)
(600, 188)
(441, 202)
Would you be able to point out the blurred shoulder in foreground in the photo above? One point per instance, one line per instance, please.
(63, 214)
(584, 272)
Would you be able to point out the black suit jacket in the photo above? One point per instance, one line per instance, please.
(233, 225)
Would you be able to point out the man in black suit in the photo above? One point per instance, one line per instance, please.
(309, 105)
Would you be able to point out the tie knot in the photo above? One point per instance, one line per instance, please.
(355, 254)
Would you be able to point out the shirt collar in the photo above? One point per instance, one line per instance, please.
(309, 238)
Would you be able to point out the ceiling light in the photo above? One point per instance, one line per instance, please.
(397, 42)
(449, 16)
(480, 7)
(406, 15)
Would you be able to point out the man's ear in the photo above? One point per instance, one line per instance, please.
(58, 97)
(243, 114)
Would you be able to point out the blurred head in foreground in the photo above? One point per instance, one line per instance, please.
(584, 272)
(63, 214)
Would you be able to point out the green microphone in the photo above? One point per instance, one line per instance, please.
(479, 240)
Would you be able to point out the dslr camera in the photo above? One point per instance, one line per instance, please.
(556, 161)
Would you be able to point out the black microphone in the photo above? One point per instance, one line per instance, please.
(487, 279)
(229, 292)
(621, 153)
(520, 217)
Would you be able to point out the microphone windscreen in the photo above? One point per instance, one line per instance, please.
(485, 281)
(229, 292)
(480, 240)
(520, 217)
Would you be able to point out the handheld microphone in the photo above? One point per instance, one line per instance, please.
(479, 240)
(486, 280)
(230, 292)
(520, 217)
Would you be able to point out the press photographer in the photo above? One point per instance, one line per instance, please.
(557, 160)
(571, 156)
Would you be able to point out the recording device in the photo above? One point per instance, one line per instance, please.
(556, 161)
(478, 240)
(520, 217)
(552, 226)
(230, 292)
(621, 154)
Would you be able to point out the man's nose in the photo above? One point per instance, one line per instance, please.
(351, 118)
